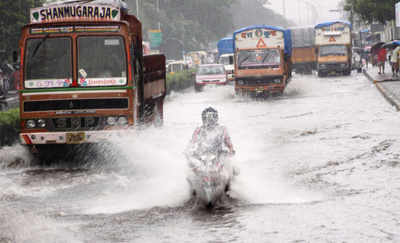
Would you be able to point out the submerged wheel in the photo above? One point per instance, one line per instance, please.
(158, 118)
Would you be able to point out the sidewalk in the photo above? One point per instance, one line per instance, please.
(388, 85)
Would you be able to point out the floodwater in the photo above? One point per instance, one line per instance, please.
(319, 164)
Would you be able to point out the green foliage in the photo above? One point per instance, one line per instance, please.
(252, 12)
(14, 15)
(372, 10)
(193, 25)
(10, 117)
(180, 80)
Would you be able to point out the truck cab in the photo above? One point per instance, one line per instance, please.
(227, 61)
(334, 48)
(226, 55)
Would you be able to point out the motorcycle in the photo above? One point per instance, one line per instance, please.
(210, 179)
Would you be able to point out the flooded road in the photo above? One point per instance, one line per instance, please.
(319, 164)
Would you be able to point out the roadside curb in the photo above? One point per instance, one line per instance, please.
(394, 101)
(368, 76)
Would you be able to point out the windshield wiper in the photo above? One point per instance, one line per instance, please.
(263, 60)
(245, 59)
(39, 45)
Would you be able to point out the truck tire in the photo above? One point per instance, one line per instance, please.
(198, 88)
(158, 119)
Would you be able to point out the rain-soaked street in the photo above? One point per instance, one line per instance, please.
(319, 164)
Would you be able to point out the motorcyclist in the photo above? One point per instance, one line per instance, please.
(210, 138)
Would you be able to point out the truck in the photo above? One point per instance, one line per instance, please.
(83, 76)
(334, 48)
(262, 60)
(304, 57)
(225, 56)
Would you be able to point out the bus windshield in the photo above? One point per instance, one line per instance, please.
(266, 58)
(333, 50)
(48, 62)
(101, 61)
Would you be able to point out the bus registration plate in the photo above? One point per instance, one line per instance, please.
(75, 137)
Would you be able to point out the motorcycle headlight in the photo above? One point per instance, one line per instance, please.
(30, 124)
(41, 123)
(111, 120)
(122, 120)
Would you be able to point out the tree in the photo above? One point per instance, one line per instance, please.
(372, 10)
(14, 15)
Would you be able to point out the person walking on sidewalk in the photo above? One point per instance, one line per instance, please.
(381, 55)
(394, 61)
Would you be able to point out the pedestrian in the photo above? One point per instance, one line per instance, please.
(381, 59)
(395, 62)
(364, 56)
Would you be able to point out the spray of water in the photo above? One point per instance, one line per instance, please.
(15, 156)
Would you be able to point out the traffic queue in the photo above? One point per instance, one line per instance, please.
(260, 59)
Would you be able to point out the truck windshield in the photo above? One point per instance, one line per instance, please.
(101, 61)
(334, 50)
(48, 62)
(226, 60)
(266, 58)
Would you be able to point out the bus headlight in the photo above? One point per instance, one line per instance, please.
(30, 124)
(41, 123)
(122, 120)
(111, 120)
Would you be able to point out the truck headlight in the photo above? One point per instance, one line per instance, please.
(111, 120)
(122, 120)
(30, 124)
(61, 122)
(41, 123)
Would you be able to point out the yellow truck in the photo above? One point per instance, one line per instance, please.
(334, 48)
(262, 60)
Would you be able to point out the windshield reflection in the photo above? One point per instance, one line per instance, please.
(267, 58)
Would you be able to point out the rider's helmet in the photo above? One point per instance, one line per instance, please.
(209, 117)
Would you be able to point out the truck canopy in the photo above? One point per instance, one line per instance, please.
(326, 24)
(286, 35)
(225, 46)
(333, 33)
